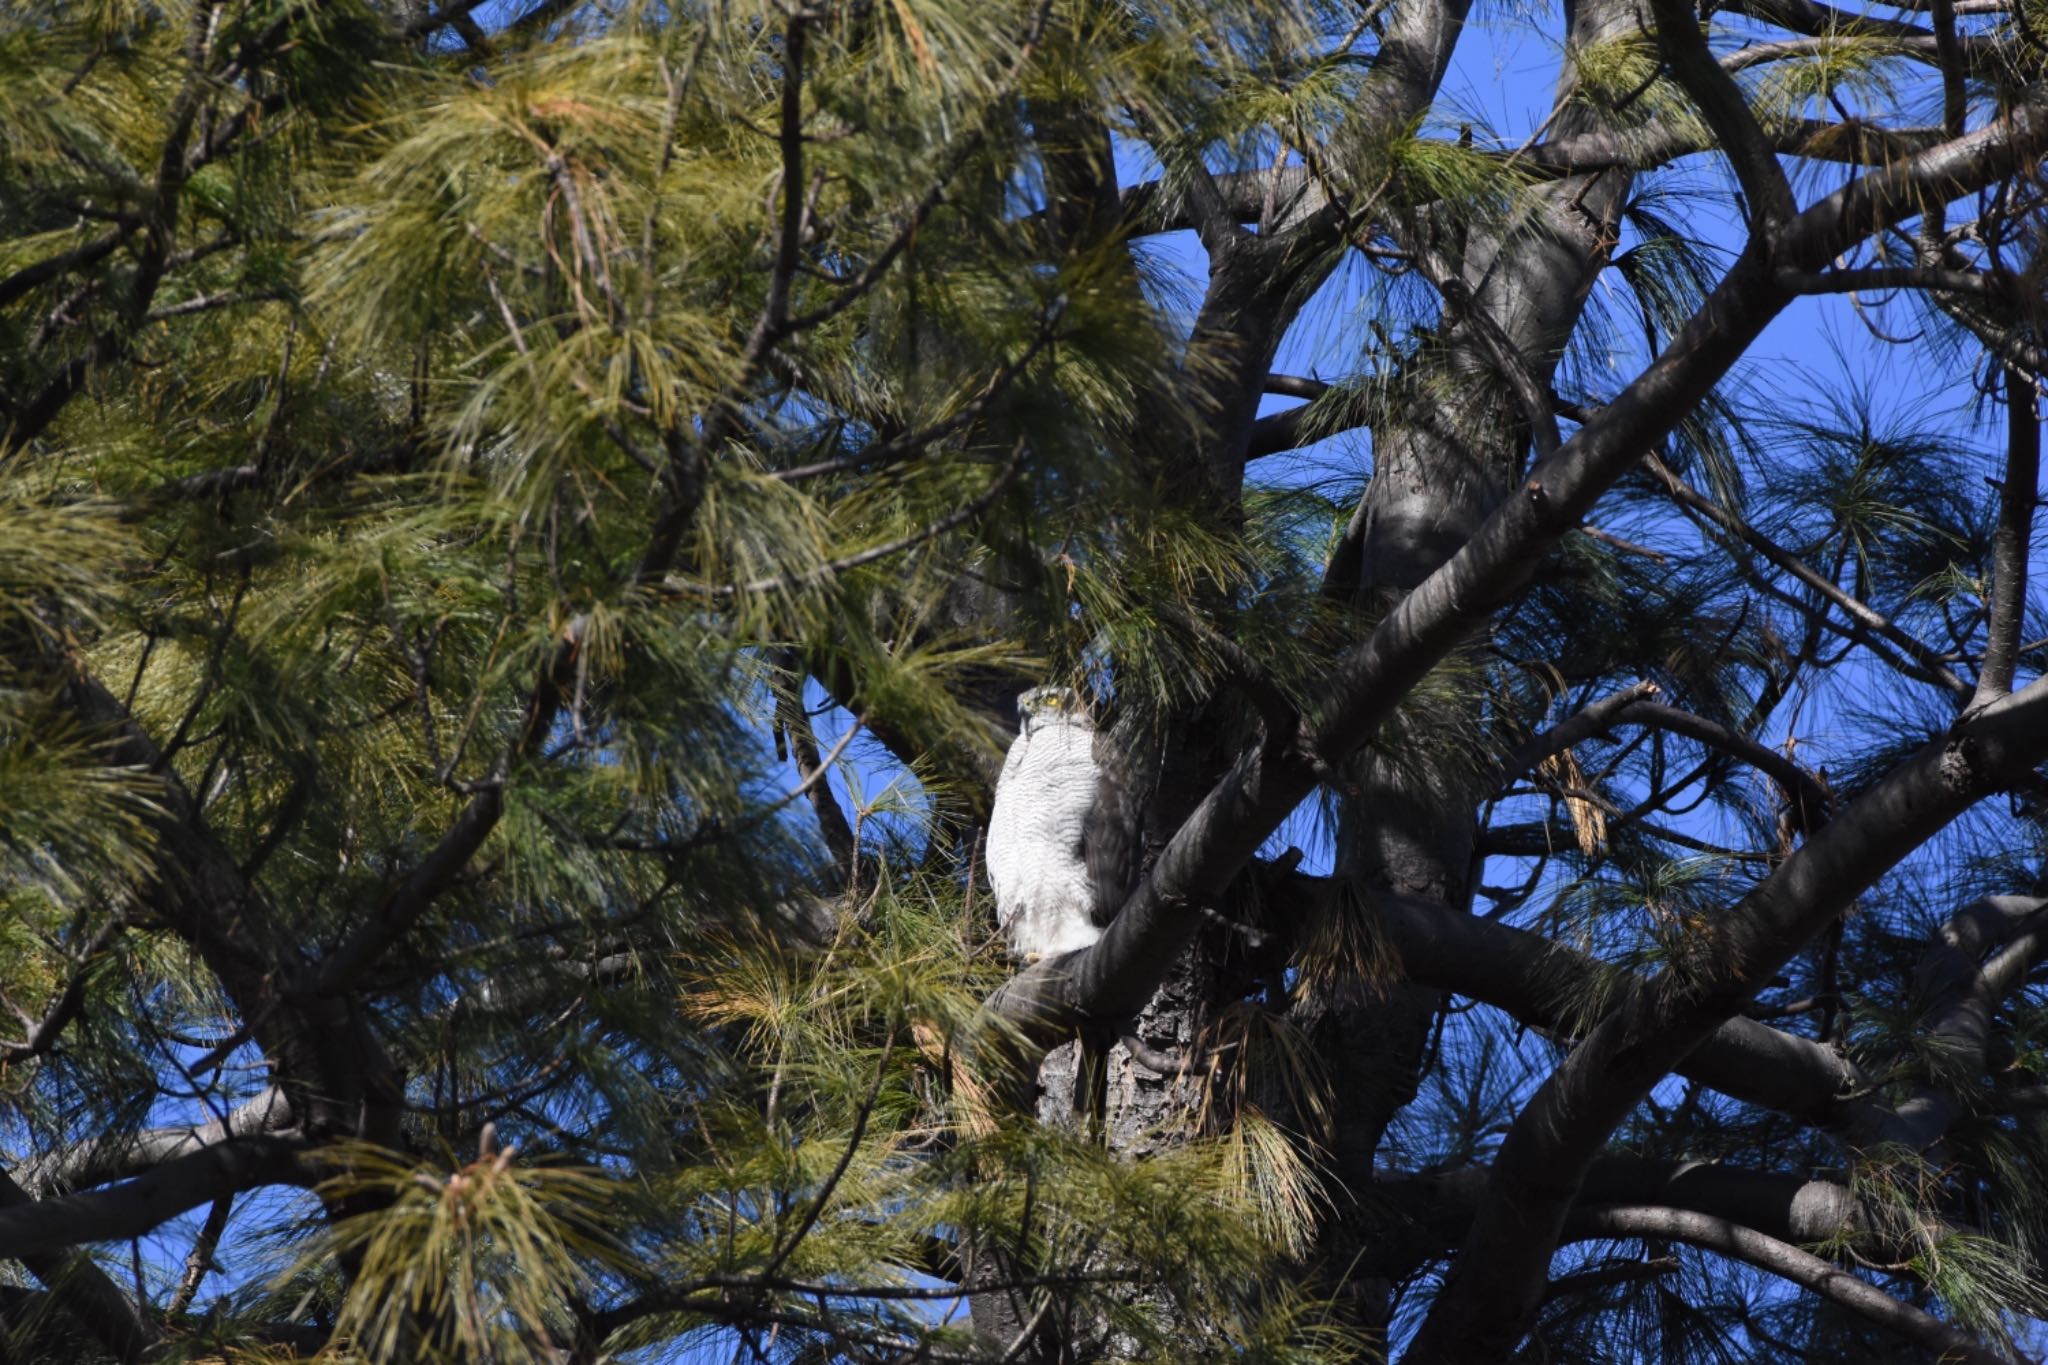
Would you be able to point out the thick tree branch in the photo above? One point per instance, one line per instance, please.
(330, 1063)
(85, 1291)
(1817, 20)
(2012, 542)
(1552, 987)
(1498, 1282)
(149, 1201)
(1894, 193)
(1148, 209)
(1850, 142)
(1434, 1210)
(1876, 278)
(1722, 104)
(1295, 386)
(96, 1161)
(1962, 992)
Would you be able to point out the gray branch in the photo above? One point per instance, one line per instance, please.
(96, 1161)
(1551, 987)
(1790, 1263)
(145, 1203)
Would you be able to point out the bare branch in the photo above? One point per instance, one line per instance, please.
(1808, 801)
(1721, 103)
(2012, 540)
(1788, 1262)
(1949, 52)
(1437, 1208)
(97, 1161)
(206, 303)
(787, 1246)
(1595, 718)
(1610, 1273)
(199, 1260)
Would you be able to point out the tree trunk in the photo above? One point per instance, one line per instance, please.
(1512, 298)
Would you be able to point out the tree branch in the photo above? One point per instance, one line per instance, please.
(96, 1161)
(2012, 540)
(1722, 105)
(811, 767)
(1497, 1284)
(1817, 20)
(1549, 986)
(445, 861)
(69, 1002)
(50, 268)
(146, 1203)
(1595, 718)
(85, 1291)
(1435, 1209)
(329, 1061)
(1599, 1277)
(1962, 992)
(1846, 281)
(1858, 611)
(1788, 1262)
(1808, 801)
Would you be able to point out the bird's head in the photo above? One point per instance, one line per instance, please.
(1050, 705)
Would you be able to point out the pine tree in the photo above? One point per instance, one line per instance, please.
(521, 531)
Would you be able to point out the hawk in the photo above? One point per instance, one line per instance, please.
(1061, 838)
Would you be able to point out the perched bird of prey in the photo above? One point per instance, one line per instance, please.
(1059, 845)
